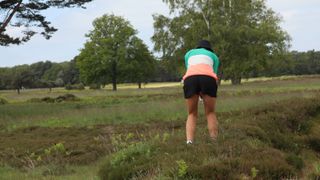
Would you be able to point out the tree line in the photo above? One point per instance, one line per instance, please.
(48, 74)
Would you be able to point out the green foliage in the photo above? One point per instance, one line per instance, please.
(94, 86)
(3, 101)
(28, 14)
(39, 75)
(55, 149)
(127, 162)
(140, 63)
(316, 167)
(314, 143)
(254, 172)
(114, 53)
(74, 87)
(295, 161)
(62, 98)
(182, 168)
(241, 31)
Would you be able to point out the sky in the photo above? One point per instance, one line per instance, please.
(300, 19)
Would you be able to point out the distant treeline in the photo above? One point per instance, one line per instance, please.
(293, 63)
(49, 74)
(299, 63)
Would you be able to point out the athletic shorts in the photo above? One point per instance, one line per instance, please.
(200, 83)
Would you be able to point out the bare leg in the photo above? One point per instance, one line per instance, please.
(192, 104)
(209, 106)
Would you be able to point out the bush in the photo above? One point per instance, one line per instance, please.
(218, 170)
(284, 142)
(128, 162)
(3, 101)
(95, 86)
(314, 143)
(75, 87)
(62, 98)
(47, 100)
(256, 132)
(66, 97)
(295, 161)
(34, 100)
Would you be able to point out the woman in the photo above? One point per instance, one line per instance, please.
(201, 80)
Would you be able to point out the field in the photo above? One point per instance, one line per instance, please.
(269, 129)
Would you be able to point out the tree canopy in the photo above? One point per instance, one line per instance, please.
(112, 52)
(245, 34)
(27, 16)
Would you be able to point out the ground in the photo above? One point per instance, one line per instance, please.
(268, 129)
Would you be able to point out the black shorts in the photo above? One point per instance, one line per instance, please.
(200, 83)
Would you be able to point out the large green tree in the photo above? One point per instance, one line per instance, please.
(111, 48)
(140, 64)
(21, 77)
(27, 15)
(245, 34)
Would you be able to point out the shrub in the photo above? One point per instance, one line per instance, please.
(66, 97)
(47, 100)
(128, 162)
(182, 168)
(256, 132)
(95, 86)
(3, 101)
(314, 143)
(34, 100)
(284, 142)
(75, 87)
(62, 98)
(295, 161)
(218, 170)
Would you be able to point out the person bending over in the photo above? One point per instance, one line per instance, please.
(200, 80)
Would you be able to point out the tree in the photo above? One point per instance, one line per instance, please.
(107, 53)
(140, 63)
(26, 14)
(245, 34)
(21, 77)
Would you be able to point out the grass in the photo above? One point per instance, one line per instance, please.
(77, 173)
(106, 126)
(126, 105)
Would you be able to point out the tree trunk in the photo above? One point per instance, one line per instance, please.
(139, 85)
(220, 74)
(236, 80)
(114, 76)
(18, 90)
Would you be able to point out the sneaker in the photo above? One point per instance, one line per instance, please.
(189, 142)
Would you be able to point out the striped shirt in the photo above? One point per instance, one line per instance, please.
(201, 62)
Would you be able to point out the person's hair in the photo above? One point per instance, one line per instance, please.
(205, 44)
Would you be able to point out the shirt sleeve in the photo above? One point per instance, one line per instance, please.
(186, 57)
(216, 64)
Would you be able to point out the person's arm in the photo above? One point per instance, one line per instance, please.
(216, 64)
(186, 59)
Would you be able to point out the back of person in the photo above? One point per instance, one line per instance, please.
(201, 61)
(200, 80)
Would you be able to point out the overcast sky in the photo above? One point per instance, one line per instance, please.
(300, 19)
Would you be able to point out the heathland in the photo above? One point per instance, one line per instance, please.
(269, 129)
